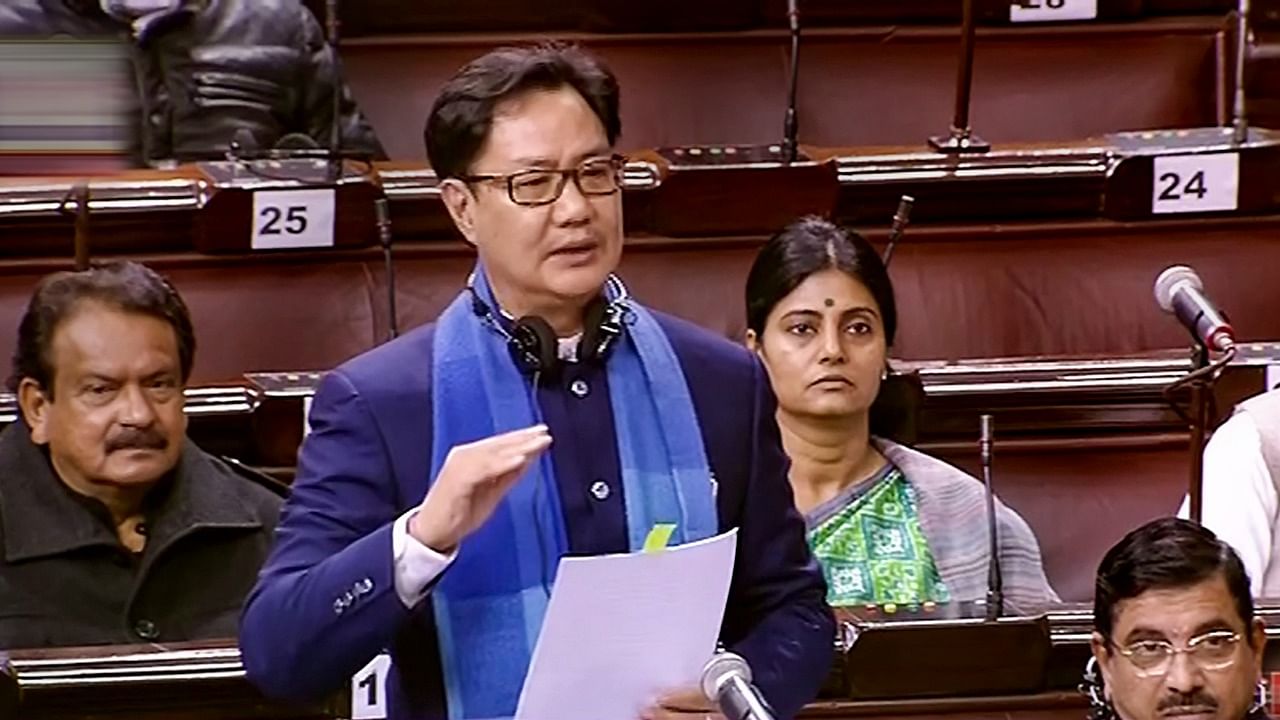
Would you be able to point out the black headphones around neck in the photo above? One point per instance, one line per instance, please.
(533, 343)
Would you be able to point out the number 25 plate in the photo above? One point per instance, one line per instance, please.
(1052, 10)
(292, 219)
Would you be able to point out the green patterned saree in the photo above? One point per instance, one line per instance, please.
(870, 545)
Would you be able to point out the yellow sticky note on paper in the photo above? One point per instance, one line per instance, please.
(658, 537)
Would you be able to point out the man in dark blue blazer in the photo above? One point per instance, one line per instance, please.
(431, 505)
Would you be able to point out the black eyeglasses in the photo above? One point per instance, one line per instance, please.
(598, 176)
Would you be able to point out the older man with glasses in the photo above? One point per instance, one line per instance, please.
(1174, 630)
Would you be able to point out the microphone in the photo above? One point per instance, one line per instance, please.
(79, 195)
(995, 579)
(1179, 290)
(383, 213)
(295, 141)
(243, 144)
(331, 23)
(1239, 119)
(726, 681)
(301, 146)
(900, 220)
(790, 125)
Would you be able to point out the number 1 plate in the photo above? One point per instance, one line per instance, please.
(292, 219)
(1052, 10)
(1195, 183)
(369, 690)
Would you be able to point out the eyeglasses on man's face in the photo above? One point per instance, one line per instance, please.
(597, 176)
(1214, 650)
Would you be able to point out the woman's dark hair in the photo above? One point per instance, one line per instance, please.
(811, 245)
(808, 246)
(1168, 553)
(128, 286)
(462, 115)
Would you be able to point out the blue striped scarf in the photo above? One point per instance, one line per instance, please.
(489, 606)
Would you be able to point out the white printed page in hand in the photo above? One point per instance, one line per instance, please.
(621, 630)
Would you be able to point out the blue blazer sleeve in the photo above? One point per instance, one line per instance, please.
(777, 617)
(325, 602)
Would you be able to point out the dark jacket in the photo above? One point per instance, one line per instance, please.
(65, 579)
(214, 67)
(326, 603)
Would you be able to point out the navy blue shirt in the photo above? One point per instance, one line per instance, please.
(584, 451)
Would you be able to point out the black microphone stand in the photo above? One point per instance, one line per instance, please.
(1199, 418)
(332, 22)
(1200, 383)
(961, 138)
(1239, 117)
(78, 195)
(900, 220)
(383, 213)
(81, 247)
(995, 578)
(791, 124)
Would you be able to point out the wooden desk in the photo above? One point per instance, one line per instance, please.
(667, 194)
(1053, 705)
(884, 83)
(205, 681)
(179, 681)
(396, 17)
(1009, 254)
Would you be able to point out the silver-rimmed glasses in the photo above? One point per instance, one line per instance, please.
(1214, 650)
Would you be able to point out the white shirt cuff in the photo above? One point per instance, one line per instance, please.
(416, 565)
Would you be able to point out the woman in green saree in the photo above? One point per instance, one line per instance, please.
(887, 523)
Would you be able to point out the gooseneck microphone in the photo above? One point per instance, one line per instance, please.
(1180, 291)
(78, 197)
(726, 681)
(900, 220)
(995, 578)
(383, 213)
(331, 24)
(1239, 117)
(791, 123)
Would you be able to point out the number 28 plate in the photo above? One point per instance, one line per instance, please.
(1195, 183)
(292, 219)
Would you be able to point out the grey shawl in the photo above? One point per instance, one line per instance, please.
(953, 516)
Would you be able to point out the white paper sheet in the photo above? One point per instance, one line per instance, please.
(620, 630)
